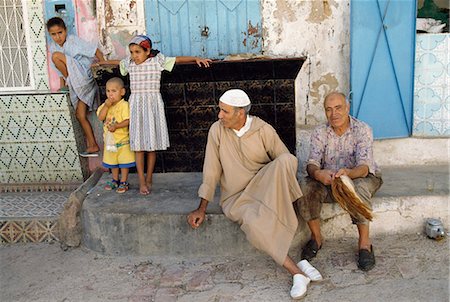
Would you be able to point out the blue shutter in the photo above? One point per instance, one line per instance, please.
(382, 64)
(207, 28)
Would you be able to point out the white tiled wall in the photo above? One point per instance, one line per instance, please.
(38, 46)
(432, 85)
(38, 142)
(39, 137)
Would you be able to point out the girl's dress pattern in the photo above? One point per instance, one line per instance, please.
(79, 57)
(148, 126)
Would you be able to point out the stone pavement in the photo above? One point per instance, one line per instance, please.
(410, 267)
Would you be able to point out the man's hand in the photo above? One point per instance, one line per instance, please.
(341, 172)
(325, 176)
(196, 218)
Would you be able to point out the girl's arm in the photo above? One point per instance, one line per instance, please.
(199, 61)
(62, 82)
(99, 55)
(108, 62)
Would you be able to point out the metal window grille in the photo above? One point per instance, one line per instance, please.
(15, 53)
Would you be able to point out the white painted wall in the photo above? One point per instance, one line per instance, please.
(319, 30)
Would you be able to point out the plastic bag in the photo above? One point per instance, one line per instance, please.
(110, 142)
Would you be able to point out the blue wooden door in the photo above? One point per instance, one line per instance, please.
(207, 28)
(382, 64)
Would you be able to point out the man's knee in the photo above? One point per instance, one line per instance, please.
(367, 186)
(288, 159)
(315, 193)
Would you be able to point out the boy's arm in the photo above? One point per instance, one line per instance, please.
(122, 124)
(103, 111)
(199, 61)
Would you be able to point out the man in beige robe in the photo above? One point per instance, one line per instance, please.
(257, 176)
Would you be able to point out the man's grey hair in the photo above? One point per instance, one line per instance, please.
(246, 108)
(334, 94)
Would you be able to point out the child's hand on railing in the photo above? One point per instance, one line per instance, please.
(203, 62)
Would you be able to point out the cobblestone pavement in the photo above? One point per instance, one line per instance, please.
(409, 268)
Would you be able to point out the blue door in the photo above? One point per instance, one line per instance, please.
(382, 64)
(207, 28)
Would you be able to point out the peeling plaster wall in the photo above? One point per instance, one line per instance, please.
(319, 30)
(119, 21)
(86, 20)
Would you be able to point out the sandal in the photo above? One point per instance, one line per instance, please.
(123, 187)
(366, 259)
(310, 250)
(112, 185)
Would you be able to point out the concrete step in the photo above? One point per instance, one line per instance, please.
(131, 224)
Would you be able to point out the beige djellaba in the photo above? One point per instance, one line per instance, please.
(257, 176)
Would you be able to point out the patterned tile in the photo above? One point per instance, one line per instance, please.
(27, 231)
(32, 204)
(39, 140)
(30, 216)
(36, 24)
(431, 92)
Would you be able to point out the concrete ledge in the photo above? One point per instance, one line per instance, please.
(401, 205)
(131, 224)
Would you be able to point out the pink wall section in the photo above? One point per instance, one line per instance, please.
(86, 24)
(86, 20)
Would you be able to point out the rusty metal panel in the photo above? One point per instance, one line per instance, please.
(208, 28)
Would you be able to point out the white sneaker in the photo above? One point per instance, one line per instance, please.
(310, 271)
(299, 286)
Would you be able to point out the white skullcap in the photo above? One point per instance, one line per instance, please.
(235, 97)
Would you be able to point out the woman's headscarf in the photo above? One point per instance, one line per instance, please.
(144, 42)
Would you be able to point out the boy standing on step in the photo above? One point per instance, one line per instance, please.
(115, 114)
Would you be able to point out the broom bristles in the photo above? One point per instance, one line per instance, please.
(346, 196)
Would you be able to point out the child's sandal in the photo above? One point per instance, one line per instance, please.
(123, 187)
(112, 185)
